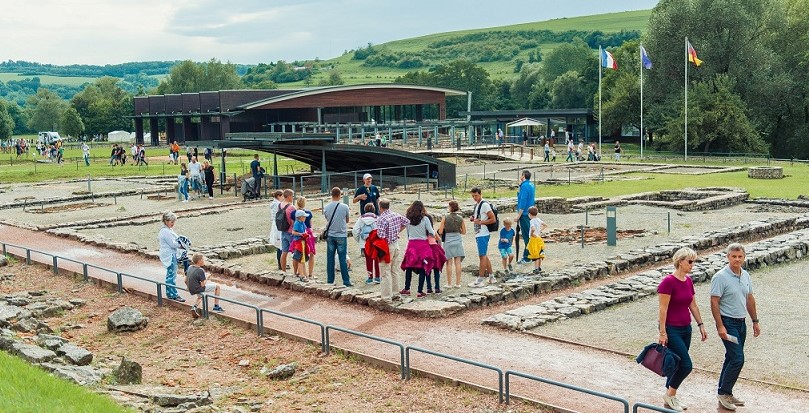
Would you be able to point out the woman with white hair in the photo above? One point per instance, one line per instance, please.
(676, 307)
(168, 240)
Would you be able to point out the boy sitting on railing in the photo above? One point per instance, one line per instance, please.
(197, 284)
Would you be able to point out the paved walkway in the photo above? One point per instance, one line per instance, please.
(463, 336)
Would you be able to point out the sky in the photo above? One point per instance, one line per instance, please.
(251, 31)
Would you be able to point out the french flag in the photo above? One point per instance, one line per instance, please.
(607, 60)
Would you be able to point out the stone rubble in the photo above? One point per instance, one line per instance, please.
(126, 319)
(772, 251)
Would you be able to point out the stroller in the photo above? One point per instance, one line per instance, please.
(250, 187)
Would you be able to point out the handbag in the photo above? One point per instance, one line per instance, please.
(654, 358)
(325, 234)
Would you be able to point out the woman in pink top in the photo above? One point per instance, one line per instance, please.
(677, 305)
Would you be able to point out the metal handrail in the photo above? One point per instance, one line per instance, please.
(503, 379)
(403, 360)
(460, 360)
(510, 373)
(323, 340)
(651, 407)
(257, 309)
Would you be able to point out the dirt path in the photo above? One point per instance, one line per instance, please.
(463, 336)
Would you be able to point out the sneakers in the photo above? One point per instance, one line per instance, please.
(726, 401)
(537, 271)
(448, 286)
(478, 282)
(438, 291)
(404, 292)
(421, 295)
(429, 291)
(195, 312)
(672, 403)
(736, 401)
(377, 280)
(177, 299)
(370, 280)
(348, 285)
(492, 280)
(217, 309)
(510, 268)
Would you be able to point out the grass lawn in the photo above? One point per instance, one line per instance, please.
(795, 182)
(26, 170)
(49, 79)
(25, 389)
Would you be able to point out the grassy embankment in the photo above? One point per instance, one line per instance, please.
(25, 388)
(353, 72)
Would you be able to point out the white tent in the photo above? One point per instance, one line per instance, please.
(524, 122)
(120, 136)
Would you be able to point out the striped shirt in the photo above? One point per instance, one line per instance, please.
(389, 225)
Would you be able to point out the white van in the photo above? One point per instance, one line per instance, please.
(48, 138)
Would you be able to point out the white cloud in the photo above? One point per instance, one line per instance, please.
(248, 31)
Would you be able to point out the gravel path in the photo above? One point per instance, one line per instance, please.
(778, 355)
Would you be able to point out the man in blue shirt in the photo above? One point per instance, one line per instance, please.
(368, 193)
(526, 198)
(731, 301)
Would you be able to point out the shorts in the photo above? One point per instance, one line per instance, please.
(483, 245)
(286, 241)
(505, 252)
(209, 288)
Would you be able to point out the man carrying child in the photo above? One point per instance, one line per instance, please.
(198, 284)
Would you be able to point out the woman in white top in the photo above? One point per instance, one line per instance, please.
(167, 239)
(275, 234)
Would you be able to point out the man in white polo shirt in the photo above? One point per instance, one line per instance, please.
(731, 300)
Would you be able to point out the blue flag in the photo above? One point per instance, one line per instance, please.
(647, 63)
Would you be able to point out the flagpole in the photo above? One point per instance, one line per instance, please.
(600, 65)
(640, 51)
(686, 99)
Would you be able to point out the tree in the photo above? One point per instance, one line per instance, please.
(575, 56)
(460, 75)
(6, 122)
(621, 90)
(333, 79)
(71, 122)
(738, 44)
(19, 116)
(44, 110)
(717, 120)
(569, 91)
(103, 106)
(188, 77)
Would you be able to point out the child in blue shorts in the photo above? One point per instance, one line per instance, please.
(505, 245)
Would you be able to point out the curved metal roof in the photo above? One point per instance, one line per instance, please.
(342, 88)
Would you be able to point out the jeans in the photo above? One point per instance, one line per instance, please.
(336, 244)
(679, 343)
(734, 354)
(87, 160)
(547, 156)
(422, 277)
(171, 274)
(569, 156)
(182, 188)
(437, 280)
(525, 231)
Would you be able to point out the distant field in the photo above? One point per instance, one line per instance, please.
(353, 72)
(48, 79)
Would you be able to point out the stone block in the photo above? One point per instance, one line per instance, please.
(31, 353)
(431, 308)
(75, 354)
(126, 319)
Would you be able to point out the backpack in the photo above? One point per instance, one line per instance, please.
(281, 219)
(493, 227)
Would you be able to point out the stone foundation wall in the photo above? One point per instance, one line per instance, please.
(765, 172)
(519, 288)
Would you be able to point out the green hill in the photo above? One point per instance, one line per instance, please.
(353, 71)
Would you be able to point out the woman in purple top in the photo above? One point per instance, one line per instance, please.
(677, 305)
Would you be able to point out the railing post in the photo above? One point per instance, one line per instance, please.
(85, 272)
(259, 327)
(55, 265)
(120, 282)
(205, 306)
(5, 251)
(28, 256)
(159, 295)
